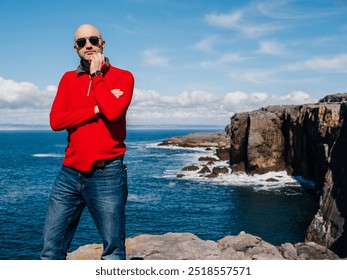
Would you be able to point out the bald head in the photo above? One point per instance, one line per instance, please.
(87, 30)
(89, 46)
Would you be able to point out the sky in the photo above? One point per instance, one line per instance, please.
(194, 62)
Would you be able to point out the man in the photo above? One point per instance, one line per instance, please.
(91, 104)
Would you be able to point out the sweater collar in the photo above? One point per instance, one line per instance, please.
(83, 67)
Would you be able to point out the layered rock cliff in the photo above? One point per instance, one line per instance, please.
(293, 138)
(307, 140)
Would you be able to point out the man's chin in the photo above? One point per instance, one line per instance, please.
(87, 57)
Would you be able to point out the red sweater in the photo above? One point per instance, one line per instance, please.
(92, 137)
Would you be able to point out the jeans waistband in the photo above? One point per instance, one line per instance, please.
(103, 163)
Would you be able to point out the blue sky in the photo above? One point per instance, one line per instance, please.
(194, 62)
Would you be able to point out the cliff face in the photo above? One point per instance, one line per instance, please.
(309, 141)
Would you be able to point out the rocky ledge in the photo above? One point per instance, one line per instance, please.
(201, 139)
(216, 143)
(187, 246)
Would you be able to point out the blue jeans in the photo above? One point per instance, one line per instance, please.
(104, 191)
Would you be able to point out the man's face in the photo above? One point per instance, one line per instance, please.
(88, 42)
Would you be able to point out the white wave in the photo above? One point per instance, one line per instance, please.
(241, 178)
(48, 155)
(142, 198)
(271, 181)
(175, 147)
(141, 144)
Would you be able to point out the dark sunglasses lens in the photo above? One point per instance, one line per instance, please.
(94, 40)
(81, 42)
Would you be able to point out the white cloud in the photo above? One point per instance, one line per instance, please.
(258, 97)
(188, 107)
(241, 102)
(12, 92)
(288, 10)
(295, 97)
(331, 64)
(223, 59)
(196, 98)
(155, 57)
(199, 107)
(257, 76)
(271, 47)
(24, 95)
(185, 99)
(206, 44)
(337, 63)
(25, 103)
(256, 30)
(224, 20)
(239, 21)
(232, 99)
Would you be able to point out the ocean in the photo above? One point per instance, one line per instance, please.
(278, 211)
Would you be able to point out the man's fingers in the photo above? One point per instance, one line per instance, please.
(96, 62)
(117, 92)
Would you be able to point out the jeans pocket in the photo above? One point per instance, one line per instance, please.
(114, 168)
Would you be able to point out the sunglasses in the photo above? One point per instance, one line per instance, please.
(81, 42)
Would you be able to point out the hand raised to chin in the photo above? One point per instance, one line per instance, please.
(96, 62)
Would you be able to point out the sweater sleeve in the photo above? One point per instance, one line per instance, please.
(61, 117)
(111, 107)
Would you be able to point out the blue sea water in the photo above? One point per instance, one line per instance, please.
(159, 201)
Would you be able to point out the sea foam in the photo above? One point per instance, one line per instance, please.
(48, 155)
(270, 181)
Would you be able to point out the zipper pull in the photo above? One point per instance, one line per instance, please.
(90, 84)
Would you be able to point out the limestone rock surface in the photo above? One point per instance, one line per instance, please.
(187, 246)
(200, 139)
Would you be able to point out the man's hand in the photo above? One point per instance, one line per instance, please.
(96, 110)
(117, 92)
(97, 60)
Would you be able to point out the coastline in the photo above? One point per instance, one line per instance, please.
(244, 246)
(305, 140)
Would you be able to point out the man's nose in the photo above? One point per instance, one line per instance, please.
(88, 45)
